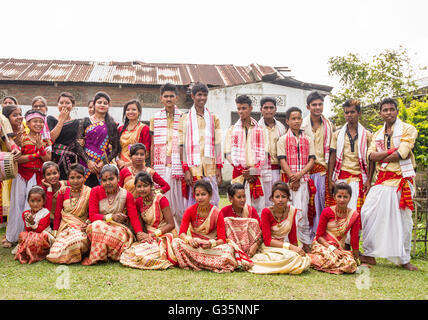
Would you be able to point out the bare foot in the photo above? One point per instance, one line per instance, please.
(307, 248)
(367, 260)
(6, 244)
(409, 266)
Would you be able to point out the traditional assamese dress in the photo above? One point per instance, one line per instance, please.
(158, 254)
(52, 197)
(218, 259)
(334, 231)
(243, 232)
(297, 152)
(164, 128)
(64, 148)
(109, 239)
(71, 242)
(279, 260)
(35, 241)
(272, 174)
(140, 134)
(29, 175)
(126, 172)
(386, 215)
(322, 198)
(201, 138)
(248, 151)
(97, 141)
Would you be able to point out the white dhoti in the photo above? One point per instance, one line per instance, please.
(355, 186)
(259, 203)
(177, 202)
(215, 197)
(387, 229)
(267, 186)
(18, 204)
(300, 200)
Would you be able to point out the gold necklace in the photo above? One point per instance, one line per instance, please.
(281, 216)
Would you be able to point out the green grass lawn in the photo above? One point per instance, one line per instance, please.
(43, 280)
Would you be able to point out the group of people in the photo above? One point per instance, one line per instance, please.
(301, 193)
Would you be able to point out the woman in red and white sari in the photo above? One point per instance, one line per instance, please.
(71, 218)
(137, 154)
(110, 209)
(206, 247)
(328, 253)
(280, 253)
(155, 250)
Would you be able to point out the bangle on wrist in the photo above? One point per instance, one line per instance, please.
(213, 243)
(158, 232)
(286, 245)
(331, 248)
(109, 218)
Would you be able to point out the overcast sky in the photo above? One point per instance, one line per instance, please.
(301, 35)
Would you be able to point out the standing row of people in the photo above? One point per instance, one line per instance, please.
(306, 154)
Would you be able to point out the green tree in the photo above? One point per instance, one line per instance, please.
(388, 74)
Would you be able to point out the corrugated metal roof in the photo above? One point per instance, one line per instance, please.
(135, 72)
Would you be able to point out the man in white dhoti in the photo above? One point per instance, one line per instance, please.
(296, 153)
(246, 151)
(165, 150)
(200, 144)
(386, 215)
(275, 130)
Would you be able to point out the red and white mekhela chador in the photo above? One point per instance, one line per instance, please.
(386, 215)
(323, 198)
(297, 151)
(35, 241)
(247, 150)
(279, 260)
(166, 158)
(201, 139)
(219, 258)
(273, 172)
(334, 230)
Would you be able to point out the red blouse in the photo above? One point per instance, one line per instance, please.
(190, 216)
(98, 193)
(144, 137)
(268, 221)
(43, 223)
(228, 212)
(125, 172)
(28, 169)
(328, 215)
(139, 202)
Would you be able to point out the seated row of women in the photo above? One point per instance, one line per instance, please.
(108, 222)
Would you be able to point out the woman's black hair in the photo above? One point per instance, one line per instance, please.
(110, 123)
(11, 98)
(143, 177)
(135, 147)
(77, 167)
(281, 186)
(49, 164)
(39, 190)
(125, 118)
(342, 186)
(204, 185)
(110, 168)
(7, 111)
(231, 189)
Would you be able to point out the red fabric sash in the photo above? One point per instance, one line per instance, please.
(406, 194)
(256, 188)
(343, 175)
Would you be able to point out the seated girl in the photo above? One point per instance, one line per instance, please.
(155, 250)
(35, 241)
(242, 222)
(280, 253)
(110, 209)
(128, 173)
(328, 253)
(71, 218)
(205, 247)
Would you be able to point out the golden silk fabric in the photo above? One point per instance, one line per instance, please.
(129, 184)
(282, 229)
(337, 229)
(127, 138)
(207, 229)
(118, 205)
